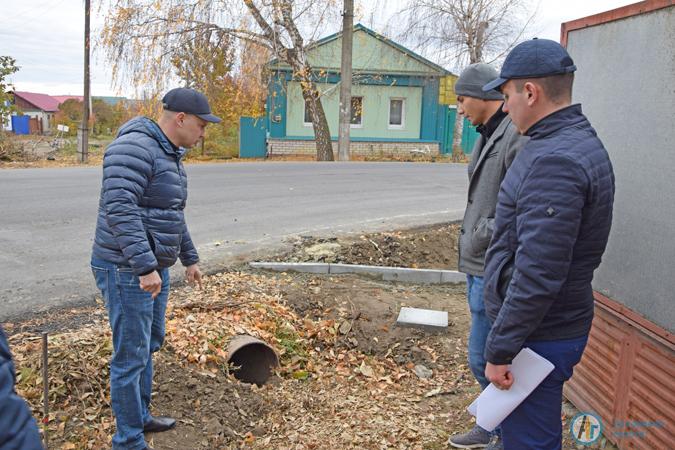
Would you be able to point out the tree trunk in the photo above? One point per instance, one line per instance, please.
(475, 56)
(480, 41)
(324, 147)
(457, 151)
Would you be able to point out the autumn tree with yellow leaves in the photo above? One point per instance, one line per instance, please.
(147, 41)
(234, 88)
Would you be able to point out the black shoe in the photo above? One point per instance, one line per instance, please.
(159, 424)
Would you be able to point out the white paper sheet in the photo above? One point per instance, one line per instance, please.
(493, 405)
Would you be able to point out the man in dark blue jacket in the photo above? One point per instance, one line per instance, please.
(18, 430)
(554, 213)
(140, 233)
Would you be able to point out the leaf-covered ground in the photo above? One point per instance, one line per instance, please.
(349, 378)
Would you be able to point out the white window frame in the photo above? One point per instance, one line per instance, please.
(356, 125)
(394, 126)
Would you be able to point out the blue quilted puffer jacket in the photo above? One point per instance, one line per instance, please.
(554, 214)
(140, 215)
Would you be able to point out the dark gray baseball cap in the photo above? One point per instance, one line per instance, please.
(536, 58)
(189, 101)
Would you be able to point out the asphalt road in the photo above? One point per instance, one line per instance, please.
(48, 216)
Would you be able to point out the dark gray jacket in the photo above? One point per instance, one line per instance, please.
(487, 168)
(140, 215)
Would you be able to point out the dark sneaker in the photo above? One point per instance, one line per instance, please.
(159, 424)
(475, 438)
(495, 444)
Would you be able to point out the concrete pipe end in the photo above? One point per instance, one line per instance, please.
(253, 358)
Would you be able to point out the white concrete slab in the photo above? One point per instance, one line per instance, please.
(422, 318)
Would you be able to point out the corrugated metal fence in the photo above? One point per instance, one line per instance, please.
(626, 378)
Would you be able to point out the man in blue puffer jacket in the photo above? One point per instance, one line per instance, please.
(18, 430)
(554, 213)
(140, 233)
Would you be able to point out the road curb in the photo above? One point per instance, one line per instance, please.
(293, 267)
(425, 276)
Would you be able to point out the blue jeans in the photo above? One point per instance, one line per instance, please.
(137, 323)
(535, 424)
(480, 328)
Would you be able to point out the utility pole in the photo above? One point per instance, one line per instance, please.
(346, 80)
(83, 132)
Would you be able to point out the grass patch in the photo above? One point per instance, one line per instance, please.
(292, 347)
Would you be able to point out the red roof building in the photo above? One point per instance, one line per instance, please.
(39, 107)
(32, 101)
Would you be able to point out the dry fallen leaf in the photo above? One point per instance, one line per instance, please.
(366, 370)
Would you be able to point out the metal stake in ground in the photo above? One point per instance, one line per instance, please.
(45, 386)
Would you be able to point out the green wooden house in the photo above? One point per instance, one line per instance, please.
(400, 102)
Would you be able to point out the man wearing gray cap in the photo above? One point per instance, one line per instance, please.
(551, 228)
(492, 154)
(140, 233)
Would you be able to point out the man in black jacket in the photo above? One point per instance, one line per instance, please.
(18, 430)
(554, 213)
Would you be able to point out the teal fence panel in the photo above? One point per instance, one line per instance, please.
(469, 134)
(252, 137)
(449, 131)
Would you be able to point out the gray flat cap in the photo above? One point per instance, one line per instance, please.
(470, 83)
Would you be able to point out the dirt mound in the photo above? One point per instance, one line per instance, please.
(428, 247)
(365, 311)
(212, 409)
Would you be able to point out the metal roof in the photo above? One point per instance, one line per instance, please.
(44, 102)
(63, 98)
(360, 27)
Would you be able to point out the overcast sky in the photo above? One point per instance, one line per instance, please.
(46, 38)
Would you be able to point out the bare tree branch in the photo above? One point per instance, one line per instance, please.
(141, 37)
(461, 32)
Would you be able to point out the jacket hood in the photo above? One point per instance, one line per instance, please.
(150, 128)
